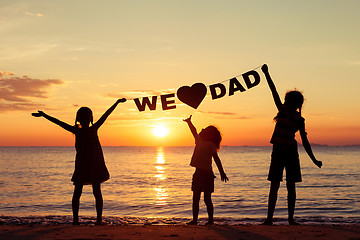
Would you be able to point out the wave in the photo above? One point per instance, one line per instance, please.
(128, 220)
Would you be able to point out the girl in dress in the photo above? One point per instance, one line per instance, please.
(207, 144)
(90, 168)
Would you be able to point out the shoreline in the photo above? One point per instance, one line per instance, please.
(61, 228)
(226, 232)
(133, 220)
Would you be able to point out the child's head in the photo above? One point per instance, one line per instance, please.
(84, 116)
(294, 99)
(212, 134)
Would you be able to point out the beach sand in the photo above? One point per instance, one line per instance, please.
(253, 232)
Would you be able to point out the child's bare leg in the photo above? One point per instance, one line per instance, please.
(76, 203)
(209, 207)
(98, 201)
(195, 207)
(291, 198)
(274, 187)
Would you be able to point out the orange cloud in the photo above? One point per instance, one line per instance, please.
(226, 115)
(3, 73)
(17, 93)
(7, 107)
(139, 93)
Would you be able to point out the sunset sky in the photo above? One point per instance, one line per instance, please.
(57, 56)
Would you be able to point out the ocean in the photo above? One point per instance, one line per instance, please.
(152, 185)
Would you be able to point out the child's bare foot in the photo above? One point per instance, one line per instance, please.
(193, 222)
(98, 222)
(267, 222)
(210, 223)
(293, 222)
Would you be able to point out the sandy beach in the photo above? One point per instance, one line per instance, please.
(253, 232)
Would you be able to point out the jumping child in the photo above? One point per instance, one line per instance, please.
(90, 168)
(207, 144)
(285, 152)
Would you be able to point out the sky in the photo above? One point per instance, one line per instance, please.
(57, 56)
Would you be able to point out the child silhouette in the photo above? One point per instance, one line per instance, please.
(285, 152)
(207, 144)
(90, 166)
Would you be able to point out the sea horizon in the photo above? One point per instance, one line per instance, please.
(270, 145)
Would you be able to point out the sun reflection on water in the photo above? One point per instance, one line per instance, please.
(160, 157)
(160, 191)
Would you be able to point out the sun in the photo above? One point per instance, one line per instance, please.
(160, 131)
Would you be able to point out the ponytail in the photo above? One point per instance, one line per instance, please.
(84, 113)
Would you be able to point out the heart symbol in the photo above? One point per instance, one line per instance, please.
(193, 95)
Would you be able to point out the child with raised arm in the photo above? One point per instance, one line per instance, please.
(207, 144)
(90, 168)
(285, 152)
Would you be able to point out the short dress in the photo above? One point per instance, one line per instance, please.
(90, 165)
(285, 151)
(203, 178)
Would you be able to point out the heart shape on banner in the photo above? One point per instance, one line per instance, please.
(193, 95)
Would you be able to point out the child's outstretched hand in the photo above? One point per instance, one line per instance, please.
(38, 114)
(318, 163)
(265, 68)
(224, 178)
(188, 119)
(121, 100)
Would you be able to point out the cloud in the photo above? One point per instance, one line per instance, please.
(18, 93)
(3, 73)
(226, 115)
(34, 14)
(143, 118)
(10, 107)
(139, 93)
(220, 113)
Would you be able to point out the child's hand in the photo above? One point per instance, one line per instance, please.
(265, 68)
(188, 119)
(224, 178)
(318, 163)
(38, 114)
(121, 100)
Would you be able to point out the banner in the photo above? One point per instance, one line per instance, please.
(195, 94)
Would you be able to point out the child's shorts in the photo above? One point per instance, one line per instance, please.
(285, 156)
(203, 181)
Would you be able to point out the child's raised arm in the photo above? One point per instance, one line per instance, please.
(192, 127)
(224, 178)
(307, 147)
(54, 120)
(271, 84)
(108, 112)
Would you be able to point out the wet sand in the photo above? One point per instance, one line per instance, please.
(253, 232)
